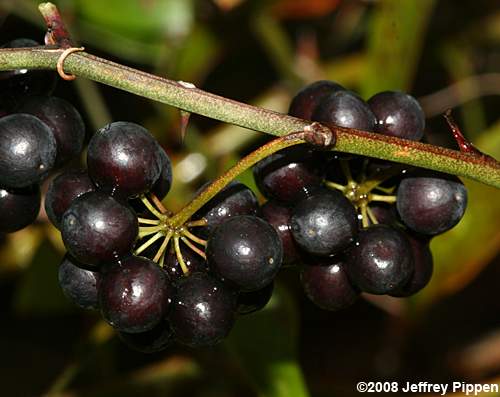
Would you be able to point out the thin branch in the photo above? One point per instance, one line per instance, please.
(197, 101)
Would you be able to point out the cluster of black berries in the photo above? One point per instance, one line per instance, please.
(38, 133)
(357, 224)
(353, 224)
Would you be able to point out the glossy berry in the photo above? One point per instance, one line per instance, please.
(423, 267)
(279, 217)
(98, 229)
(245, 252)
(79, 284)
(193, 261)
(235, 199)
(152, 341)
(431, 204)
(325, 223)
(250, 302)
(345, 109)
(304, 103)
(64, 121)
(398, 114)
(203, 310)
(134, 294)
(288, 175)
(381, 261)
(162, 185)
(63, 190)
(16, 85)
(124, 159)
(327, 285)
(27, 150)
(18, 208)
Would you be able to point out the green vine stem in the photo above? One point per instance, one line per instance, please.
(246, 162)
(188, 98)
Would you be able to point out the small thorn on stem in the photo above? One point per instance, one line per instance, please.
(464, 144)
(184, 123)
(62, 58)
(186, 84)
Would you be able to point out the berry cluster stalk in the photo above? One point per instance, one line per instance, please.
(190, 99)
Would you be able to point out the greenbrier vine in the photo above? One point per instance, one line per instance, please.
(191, 99)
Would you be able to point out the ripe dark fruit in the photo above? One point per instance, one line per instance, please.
(325, 223)
(279, 217)
(16, 85)
(79, 284)
(203, 310)
(381, 261)
(398, 114)
(63, 190)
(423, 264)
(245, 252)
(289, 175)
(64, 121)
(162, 185)
(304, 103)
(235, 199)
(326, 284)
(124, 159)
(27, 150)
(152, 341)
(431, 204)
(345, 109)
(250, 302)
(134, 294)
(18, 208)
(98, 229)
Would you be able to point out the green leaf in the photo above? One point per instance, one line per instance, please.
(145, 20)
(265, 343)
(394, 44)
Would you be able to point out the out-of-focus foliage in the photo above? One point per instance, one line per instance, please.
(445, 52)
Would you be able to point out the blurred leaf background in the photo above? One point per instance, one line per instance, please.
(445, 52)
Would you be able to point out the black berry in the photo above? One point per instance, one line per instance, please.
(246, 252)
(381, 261)
(398, 114)
(124, 159)
(98, 229)
(18, 208)
(326, 284)
(134, 294)
(63, 190)
(203, 310)
(27, 150)
(431, 204)
(325, 223)
(80, 285)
